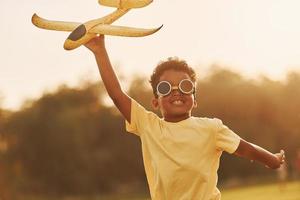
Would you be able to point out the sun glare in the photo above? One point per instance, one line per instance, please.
(267, 36)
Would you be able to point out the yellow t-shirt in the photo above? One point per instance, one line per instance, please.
(181, 159)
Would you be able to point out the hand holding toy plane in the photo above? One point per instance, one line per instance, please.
(82, 33)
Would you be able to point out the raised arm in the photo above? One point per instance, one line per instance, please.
(110, 79)
(256, 153)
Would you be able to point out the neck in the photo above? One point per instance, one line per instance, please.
(177, 118)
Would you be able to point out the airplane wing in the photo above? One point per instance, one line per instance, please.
(126, 4)
(122, 30)
(53, 25)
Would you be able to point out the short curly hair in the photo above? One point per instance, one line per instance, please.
(172, 63)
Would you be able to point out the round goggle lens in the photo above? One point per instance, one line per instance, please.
(163, 88)
(186, 86)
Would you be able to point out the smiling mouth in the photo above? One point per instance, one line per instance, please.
(177, 102)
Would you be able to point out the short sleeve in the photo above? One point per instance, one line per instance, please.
(226, 139)
(139, 118)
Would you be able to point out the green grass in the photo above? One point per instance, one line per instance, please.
(291, 191)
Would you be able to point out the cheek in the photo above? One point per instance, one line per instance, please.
(191, 103)
(163, 102)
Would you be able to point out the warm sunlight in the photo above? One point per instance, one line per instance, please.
(252, 37)
(272, 33)
(258, 36)
(229, 128)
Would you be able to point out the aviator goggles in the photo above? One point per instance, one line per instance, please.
(185, 86)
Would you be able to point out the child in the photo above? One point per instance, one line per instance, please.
(181, 153)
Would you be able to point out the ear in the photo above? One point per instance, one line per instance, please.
(195, 104)
(154, 103)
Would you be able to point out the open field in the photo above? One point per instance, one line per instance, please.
(291, 191)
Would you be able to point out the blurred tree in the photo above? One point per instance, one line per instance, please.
(71, 142)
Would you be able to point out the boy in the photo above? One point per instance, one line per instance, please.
(181, 153)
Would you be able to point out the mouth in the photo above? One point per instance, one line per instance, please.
(177, 102)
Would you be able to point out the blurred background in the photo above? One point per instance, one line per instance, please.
(61, 137)
(72, 142)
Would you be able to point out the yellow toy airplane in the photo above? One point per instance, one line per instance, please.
(82, 33)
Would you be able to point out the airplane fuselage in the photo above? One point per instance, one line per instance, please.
(81, 34)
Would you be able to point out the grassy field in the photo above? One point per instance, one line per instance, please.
(291, 191)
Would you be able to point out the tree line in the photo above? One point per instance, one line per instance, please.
(70, 142)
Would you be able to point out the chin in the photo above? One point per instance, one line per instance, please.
(181, 114)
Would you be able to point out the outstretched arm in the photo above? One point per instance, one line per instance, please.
(110, 79)
(256, 153)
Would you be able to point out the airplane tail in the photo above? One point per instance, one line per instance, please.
(125, 4)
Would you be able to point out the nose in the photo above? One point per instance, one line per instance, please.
(176, 91)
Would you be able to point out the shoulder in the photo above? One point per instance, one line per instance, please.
(141, 119)
(141, 112)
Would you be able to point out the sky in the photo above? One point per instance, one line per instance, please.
(252, 37)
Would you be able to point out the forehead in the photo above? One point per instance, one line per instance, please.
(173, 76)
